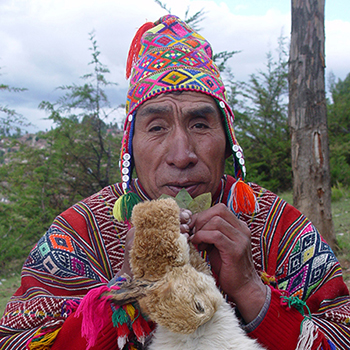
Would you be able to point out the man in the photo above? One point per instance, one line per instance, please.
(268, 259)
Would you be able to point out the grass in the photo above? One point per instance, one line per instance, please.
(8, 286)
(341, 220)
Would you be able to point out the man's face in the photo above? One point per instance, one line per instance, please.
(179, 142)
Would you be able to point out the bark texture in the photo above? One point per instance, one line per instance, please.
(308, 116)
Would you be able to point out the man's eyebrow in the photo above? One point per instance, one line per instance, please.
(153, 110)
(192, 112)
(201, 111)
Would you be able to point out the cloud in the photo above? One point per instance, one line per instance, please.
(44, 43)
(338, 47)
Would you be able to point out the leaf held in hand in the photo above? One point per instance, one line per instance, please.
(165, 196)
(183, 198)
(200, 203)
(195, 205)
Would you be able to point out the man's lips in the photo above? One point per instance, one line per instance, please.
(189, 187)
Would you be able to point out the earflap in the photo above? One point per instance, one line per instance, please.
(126, 159)
(241, 198)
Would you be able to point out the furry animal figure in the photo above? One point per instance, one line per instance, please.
(174, 286)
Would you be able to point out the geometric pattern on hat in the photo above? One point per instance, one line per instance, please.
(173, 57)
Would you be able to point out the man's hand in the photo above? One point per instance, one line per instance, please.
(228, 243)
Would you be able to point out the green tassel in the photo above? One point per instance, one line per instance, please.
(119, 317)
(123, 206)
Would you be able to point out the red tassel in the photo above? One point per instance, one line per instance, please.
(135, 47)
(141, 328)
(123, 333)
(95, 314)
(244, 200)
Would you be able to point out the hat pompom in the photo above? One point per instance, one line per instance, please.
(123, 206)
(136, 46)
(242, 198)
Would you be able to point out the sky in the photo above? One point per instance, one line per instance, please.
(45, 44)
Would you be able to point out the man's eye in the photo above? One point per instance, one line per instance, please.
(200, 126)
(155, 128)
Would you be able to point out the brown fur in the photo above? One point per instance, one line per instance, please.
(172, 283)
(158, 245)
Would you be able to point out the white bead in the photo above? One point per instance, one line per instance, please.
(126, 156)
(125, 178)
(222, 104)
(125, 171)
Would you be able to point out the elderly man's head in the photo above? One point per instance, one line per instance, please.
(179, 142)
(176, 140)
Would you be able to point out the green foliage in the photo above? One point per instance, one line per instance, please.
(10, 121)
(86, 144)
(339, 131)
(50, 172)
(338, 192)
(261, 123)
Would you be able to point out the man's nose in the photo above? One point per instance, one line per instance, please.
(181, 150)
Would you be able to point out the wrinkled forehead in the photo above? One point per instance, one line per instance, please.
(191, 103)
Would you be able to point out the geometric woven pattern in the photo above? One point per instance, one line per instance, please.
(57, 254)
(310, 261)
(84, 248)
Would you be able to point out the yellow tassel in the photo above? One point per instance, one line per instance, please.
(130, 310)
(43, 342)
(123, 206)
(268, 280)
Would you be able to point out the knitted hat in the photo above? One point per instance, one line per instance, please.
(167, 56)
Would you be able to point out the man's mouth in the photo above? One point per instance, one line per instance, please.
(189, 187)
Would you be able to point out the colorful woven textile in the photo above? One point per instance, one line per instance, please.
(84, 248)
(173, 57)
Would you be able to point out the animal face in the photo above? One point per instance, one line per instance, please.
(184, 300)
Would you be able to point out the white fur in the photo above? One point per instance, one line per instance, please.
(221, 332)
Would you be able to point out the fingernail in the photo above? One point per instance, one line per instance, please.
(185, 227)
(186, 215)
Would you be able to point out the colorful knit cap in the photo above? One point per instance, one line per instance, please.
(167, 56)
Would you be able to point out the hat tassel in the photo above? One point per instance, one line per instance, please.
(135, 47)
(243, 198)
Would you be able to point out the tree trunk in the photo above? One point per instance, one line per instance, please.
(308, 116)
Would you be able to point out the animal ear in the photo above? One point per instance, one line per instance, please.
(129, 292)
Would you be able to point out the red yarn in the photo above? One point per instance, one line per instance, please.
(244, 200)
(135, 47)
(95, 314)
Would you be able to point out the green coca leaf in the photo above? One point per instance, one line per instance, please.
(200, 203)
(185, 201)
(183, 198)
(165, 196)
